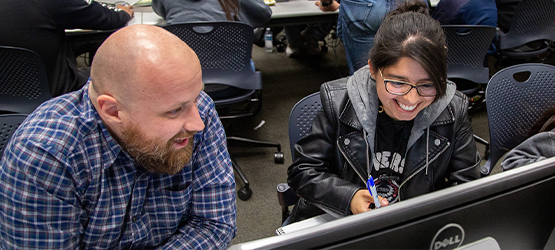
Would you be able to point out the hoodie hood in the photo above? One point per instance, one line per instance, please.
(362, 92)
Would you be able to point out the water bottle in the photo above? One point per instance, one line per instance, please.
(268, 40)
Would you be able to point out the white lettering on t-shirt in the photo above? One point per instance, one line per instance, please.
(395, 163)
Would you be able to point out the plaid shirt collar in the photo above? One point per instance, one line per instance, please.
(110, 143)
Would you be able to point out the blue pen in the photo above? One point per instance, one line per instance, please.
(372, 189)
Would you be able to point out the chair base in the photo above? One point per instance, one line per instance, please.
(286, 198)
(474, 91)
(245, 192)
(485, 143)
(538, 53)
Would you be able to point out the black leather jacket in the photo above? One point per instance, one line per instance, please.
(331, 161)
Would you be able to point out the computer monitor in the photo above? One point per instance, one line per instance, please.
(514, 209)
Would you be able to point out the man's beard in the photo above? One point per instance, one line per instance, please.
(155, 155)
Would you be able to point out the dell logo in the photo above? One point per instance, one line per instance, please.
(450, 236)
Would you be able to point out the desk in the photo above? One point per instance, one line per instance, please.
(291, 12)
(283, 13)
(295, 12)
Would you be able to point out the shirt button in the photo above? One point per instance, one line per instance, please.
(437, 142)
(347, 141)
(134, 219)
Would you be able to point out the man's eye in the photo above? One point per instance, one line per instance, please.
(175, 111)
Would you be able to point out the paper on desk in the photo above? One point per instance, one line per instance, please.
(130, 2)
(304, 224)
(142, 3)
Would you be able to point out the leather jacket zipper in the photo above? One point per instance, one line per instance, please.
(420, 169)
(410, 177)
(349, 161)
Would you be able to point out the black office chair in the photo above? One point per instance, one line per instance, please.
(224, 50)
(516, 97)
(300, 125)
(467, 46)
(23, 81)
(8, 125)
(531, 34)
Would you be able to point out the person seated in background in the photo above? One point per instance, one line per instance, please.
(398, 120)
(136, 159)
(40, 26)
(357, 24)
(466, 12)
(305, 38)
(252, 12)
(539, 146)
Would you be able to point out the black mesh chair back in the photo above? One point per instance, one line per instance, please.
(23, 80)
(224, 51)
(8, 125)
(467, 46)
(516, 97)
(532, 20)
(301, 117)
(300, 125)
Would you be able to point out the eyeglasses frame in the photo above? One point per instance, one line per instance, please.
(411, 87)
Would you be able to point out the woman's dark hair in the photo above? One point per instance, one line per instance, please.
(409, 31)
(231, 9)
(545, 123)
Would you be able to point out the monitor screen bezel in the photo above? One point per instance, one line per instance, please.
(398, 214)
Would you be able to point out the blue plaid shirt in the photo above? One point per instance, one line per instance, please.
(65, 183)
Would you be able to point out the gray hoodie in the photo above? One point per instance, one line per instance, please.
(361, 88)
(536, 148)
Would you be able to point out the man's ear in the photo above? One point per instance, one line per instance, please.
(109, 110)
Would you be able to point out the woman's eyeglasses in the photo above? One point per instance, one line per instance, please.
(402, 88)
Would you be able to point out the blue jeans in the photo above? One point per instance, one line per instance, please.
(357, 25)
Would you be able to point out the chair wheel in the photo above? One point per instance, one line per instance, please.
(278, 157)
(280, 47)
(244, 193)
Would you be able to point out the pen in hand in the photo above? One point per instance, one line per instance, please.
(372, 189)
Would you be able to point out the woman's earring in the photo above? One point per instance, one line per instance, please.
(380, 109)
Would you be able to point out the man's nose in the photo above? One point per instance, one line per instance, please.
(194, 123)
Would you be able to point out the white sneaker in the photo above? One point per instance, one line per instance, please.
(291, 52)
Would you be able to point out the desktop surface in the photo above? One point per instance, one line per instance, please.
(291, 12)
(513, 209)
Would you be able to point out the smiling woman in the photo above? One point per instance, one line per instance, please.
(398, 99)
(399, 121)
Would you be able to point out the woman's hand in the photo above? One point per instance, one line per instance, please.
(128, 9)
(361, 201)
(332, 7)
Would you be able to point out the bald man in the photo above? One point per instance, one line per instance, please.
(136, 159)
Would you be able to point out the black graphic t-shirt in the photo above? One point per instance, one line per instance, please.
(389, 161)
